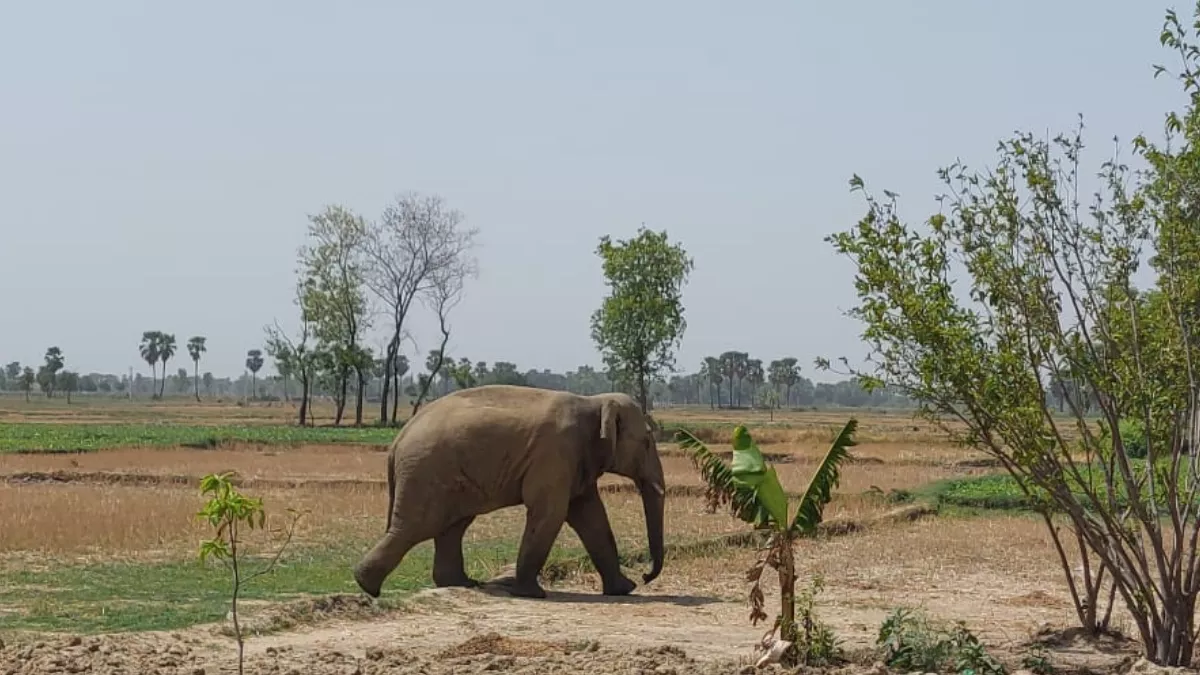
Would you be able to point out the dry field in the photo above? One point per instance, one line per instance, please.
(105, 542)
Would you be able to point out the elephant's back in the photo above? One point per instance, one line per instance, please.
(476, 448)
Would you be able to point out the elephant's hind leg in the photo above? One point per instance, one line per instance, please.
(590, 521)
(448, 566)
(382, 559)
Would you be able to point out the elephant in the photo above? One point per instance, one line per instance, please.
(480, 449)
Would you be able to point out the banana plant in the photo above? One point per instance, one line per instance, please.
(751, 489)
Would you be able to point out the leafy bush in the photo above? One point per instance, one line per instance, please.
(816, 645)
(1133, 437)
(911, 642)
(1038, 662)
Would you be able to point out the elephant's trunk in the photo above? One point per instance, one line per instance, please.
(653, 489)
(652, 502)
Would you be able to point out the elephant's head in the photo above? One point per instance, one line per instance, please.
(629, 436)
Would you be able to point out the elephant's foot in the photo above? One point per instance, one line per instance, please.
(370, 588)
(521, 590)
(463, 581)
(623, 585)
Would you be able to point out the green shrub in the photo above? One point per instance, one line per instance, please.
(912, 643)
(1133, 437)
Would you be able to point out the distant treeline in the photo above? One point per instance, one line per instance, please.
(744, 385)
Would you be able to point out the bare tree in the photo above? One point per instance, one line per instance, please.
(442, 297)
(417, 245)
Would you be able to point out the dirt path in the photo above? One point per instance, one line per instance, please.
(444, 631)
(706, 628)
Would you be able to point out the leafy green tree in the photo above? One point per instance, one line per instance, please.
(752, 491)
(26, 380)
(48, 373)
(68, 382)
(333, 274)
(1052, 295)
(149, 352)
(463, 374)
(207, 378)
(254, 363)
(505, 372)
(166, 350)
(641, 320)
(196, 347)
(181, 380)
(12, 372)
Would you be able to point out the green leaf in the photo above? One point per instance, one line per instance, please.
(751, 469)
(824, 480)
(722, 486)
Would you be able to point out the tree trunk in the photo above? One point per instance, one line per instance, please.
(303, 400)
(343, 385)
(358, 406)
(643, 395)
(389, 367)
(396, 399)
(196, 380)
(787, 589)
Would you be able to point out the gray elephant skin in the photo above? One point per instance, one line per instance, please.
(490, 447)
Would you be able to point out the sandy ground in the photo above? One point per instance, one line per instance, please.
(679, 624)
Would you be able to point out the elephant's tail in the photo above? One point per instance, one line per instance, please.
(391, 470)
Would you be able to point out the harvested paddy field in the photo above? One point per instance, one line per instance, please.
(102, 544)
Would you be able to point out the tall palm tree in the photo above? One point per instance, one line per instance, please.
(149, 351)
(195, 347)
(166, 349)
(254, 361)
(751, 489)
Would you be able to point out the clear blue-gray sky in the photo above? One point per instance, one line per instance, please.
(158, 160)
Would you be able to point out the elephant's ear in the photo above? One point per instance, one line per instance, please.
(609, 416)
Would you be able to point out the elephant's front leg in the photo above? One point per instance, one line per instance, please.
(448, 566)
(589, 519)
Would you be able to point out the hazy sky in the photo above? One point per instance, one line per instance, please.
(158, 160)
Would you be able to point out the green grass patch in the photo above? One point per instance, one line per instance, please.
(35, 437)
(122, 597)
(1001, 491)
(118, 597)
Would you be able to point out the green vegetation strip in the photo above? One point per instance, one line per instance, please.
(118, 597)
(37, 437)
(1001, 491)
